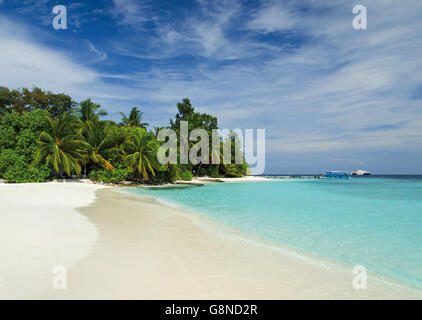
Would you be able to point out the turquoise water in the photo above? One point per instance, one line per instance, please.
(374, 222)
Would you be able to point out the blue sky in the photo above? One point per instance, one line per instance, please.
(329, 96)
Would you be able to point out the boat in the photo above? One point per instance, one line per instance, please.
(361, 173)
(337, 174)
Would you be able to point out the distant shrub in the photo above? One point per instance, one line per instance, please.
(18, 144)
(186, 175)
(7, 158)
(203, 172)
(236, 170)
(114, 176)
(211, 171)
(21, 172)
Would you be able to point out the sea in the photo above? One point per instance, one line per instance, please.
(373, 221)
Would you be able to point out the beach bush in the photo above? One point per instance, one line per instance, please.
(21, 172)
(14, 168)
(186, 175)
(167, 173)
(18, 143)
(203, 172)
(7, 158)
(211, 171)
(236, 170)
(113, 176)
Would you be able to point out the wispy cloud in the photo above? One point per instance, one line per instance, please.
(100, 55)
(273, 17)
(27, 63)
(129, 12)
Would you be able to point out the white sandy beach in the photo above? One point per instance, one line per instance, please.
(40, 228)
(127, 247)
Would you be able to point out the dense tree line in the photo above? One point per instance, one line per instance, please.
(45, 136)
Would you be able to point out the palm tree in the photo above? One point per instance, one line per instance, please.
(134, 119)
(101, 138)
(62, 146)
(90, 111)
(141, 152)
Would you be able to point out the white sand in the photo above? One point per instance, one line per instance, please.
(40, 228)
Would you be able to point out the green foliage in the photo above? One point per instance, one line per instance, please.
(18, 144)
(89, 110)
(141, 152)
(23, 173)
(186, 175)
(211, 171)
(100, 140)
(7, 137)
(234, 170)
(15, 169)
(41, 132)
(134, 119)
(113, 176)
(20, 131)
(196, 120)
(62, 147)
(7, 158)
(35, 99)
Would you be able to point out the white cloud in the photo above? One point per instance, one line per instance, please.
(129, 12)
(26, 63)
(206, 30)
(271, 18)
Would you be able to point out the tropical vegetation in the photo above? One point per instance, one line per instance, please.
(45, 136)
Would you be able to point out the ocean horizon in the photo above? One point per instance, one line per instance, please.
(374, 221)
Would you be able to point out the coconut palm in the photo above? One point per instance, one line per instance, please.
(134, 119)
(62, 146)
(90, 111)
(101, 139)
(141, 152)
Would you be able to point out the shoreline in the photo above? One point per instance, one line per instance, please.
(147, 250)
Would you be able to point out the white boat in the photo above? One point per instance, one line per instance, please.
(360, 173)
